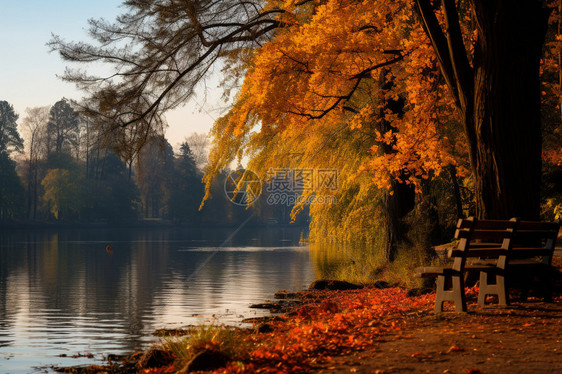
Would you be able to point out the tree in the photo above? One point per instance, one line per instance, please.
(175, 45)
(11, 190)
(63, 194)
(63, 185)
(500, 114)
(111, 196)
(154, 177)
(34, 129)
(187, 189)
(62, 129)
(308, 61)
(10, 139)
(198, 144)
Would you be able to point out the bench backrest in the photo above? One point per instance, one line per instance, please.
(539, 237)
(476, 231)
(473, 233)
(536, 238)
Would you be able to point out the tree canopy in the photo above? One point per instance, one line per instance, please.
(62, 128)
(391, 94)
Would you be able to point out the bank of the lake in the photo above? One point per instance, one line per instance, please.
(369, 330)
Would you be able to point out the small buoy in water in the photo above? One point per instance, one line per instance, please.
(109, 249)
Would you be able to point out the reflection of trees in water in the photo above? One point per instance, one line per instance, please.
(349, 262)
(126, 294)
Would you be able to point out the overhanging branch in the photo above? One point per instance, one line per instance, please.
(440, 45)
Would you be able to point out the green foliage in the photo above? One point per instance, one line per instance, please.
(111, 195)
(10, 139)
(63, 193)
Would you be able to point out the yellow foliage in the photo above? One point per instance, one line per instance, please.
(313, 97)
(62, 191)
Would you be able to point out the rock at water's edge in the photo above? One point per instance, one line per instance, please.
(330, 284)
(205, 361)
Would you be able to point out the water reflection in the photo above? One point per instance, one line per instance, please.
(63, 293)
(350, 262)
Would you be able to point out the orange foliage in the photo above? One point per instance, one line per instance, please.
(322, 73)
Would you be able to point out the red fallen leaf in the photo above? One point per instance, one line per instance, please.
(528, 324)
(455, 348)
(329, 306)
(417, 354)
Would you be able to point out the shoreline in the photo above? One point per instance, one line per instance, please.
(366, 330)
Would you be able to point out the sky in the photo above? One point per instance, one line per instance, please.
(28, 72)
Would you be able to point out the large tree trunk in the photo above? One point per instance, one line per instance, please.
(507, 164)
(498, 97)
(395, 207)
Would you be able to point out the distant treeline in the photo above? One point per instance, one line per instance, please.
(57, 168)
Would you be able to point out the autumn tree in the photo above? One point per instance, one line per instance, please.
(63, 186)
(316, 64)
(497, 92)
(63, 194)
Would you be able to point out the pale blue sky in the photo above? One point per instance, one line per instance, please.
(28, 72)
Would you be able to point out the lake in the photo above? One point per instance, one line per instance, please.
(63, 293)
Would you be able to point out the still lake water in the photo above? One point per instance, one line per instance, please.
(62, 293)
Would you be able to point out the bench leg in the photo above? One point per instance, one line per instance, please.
(503, 296)
(482, 285)
(455, 294)
(440, 294)
(499, 288)
(459, 297)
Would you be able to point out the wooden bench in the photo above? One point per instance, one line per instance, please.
(529, 257)
(503, 249)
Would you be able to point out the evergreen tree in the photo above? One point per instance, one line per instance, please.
(10, 139)
(62, 129)
(187, 189)
(11, 189)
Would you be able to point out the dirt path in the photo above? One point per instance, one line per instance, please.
(523, 338)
